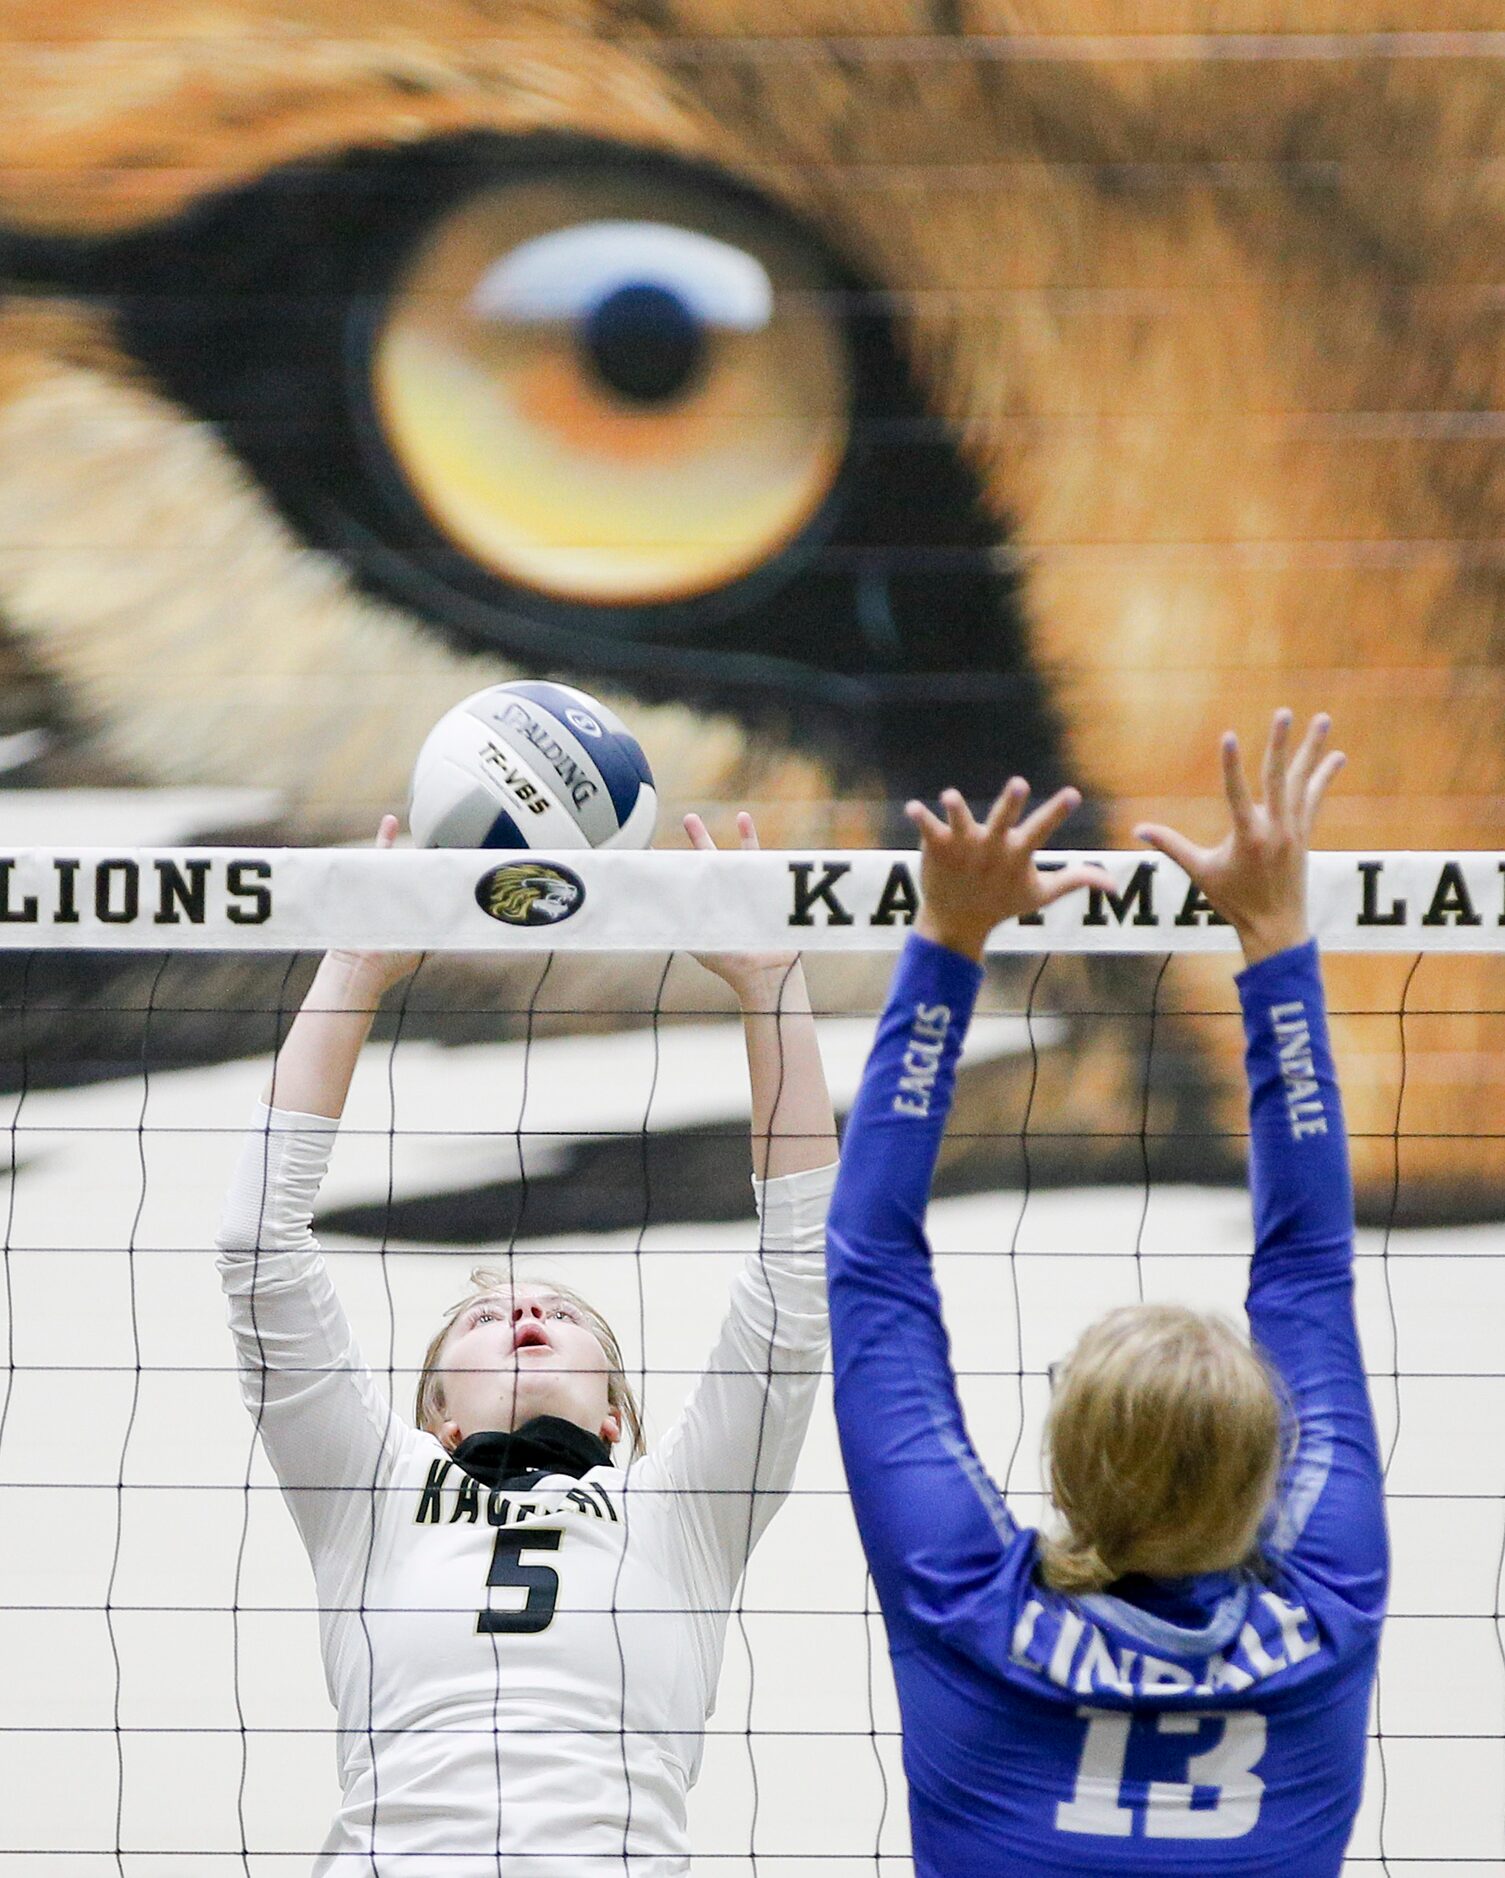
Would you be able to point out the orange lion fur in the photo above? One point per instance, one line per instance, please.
(1216, 332)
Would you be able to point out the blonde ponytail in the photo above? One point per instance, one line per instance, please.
(1074, 1565)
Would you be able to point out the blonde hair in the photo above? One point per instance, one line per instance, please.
(1163, 1447)
(428, 1404)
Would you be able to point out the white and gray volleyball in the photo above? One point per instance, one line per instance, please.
(532, 765)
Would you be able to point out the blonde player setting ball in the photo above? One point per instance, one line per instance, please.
(1177, 1679)
(523, 1634)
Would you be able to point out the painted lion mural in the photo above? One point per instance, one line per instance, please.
(861, 399)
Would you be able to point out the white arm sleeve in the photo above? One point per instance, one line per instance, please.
(327, 1429)
(729, 1458)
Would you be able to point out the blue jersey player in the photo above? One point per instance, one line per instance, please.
(1177, 1678)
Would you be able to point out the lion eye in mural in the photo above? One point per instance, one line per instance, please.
(856, 423)
(595, 409)
(609, 391)
(554, 404)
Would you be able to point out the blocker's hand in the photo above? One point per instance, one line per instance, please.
(756, 977)
(973, 875)
(1256, 876)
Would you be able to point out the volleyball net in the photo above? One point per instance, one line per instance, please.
(560, 1080)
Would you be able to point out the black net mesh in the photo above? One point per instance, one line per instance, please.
(163, 1708)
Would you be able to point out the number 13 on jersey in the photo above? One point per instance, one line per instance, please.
(1219, 1798)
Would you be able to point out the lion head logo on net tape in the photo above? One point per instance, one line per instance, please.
(530, 893)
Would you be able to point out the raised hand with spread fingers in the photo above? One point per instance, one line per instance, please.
(974, 875)
(1256, 875)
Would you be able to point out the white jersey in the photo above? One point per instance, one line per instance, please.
(522, 1680)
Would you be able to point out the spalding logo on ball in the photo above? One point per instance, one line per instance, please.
(531, 765)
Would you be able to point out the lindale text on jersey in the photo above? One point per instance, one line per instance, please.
(1293, 1037)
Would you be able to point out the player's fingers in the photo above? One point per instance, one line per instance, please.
(1318, 787)
(699, 834)
(1039, 827)
(958, 816)
(747, 831)
(1008, 805)
(1277, 758)
(1072, 880)
(1173, 845)
(1306, 758)
(386, 831)
(1235, 782)
(930, 825)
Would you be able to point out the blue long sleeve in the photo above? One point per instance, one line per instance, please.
(934, 1526)
(1331, 1516)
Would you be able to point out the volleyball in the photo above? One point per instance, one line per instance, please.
(531, 765)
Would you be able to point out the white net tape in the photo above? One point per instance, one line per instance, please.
(295, 899)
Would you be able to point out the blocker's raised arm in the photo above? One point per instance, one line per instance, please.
(934, 1528)
(1331, 1514)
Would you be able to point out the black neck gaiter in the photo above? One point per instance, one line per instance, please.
(545, 1445)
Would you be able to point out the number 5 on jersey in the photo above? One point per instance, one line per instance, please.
(541, 1582)
(1222, 1774)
